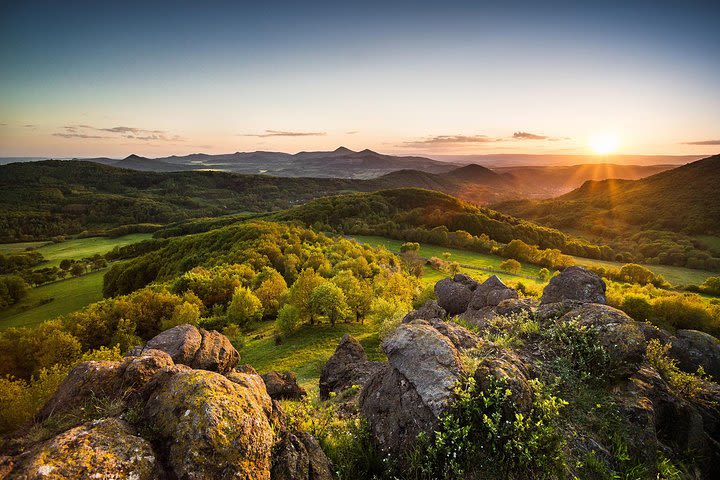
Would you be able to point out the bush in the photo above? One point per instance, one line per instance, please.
(288, 320)
(689, 385)
(637, 306)
(578, 345)
(244, 308)
(511, 265)
(387, 314)
(483, 435)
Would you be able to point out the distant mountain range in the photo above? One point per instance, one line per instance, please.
(339, 163)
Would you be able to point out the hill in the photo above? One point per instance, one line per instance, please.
(682, 201)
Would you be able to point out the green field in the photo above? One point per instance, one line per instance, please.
(66, 296)
(305, 351)
(8, 248)
(674, 275)
(477, 264)
(84, 247)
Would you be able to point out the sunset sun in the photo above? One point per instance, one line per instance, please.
(604, 144)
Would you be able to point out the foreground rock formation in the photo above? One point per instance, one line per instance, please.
(162, 416)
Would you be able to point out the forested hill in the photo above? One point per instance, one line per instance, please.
(683, 200)
(411, 213)
(39, 200)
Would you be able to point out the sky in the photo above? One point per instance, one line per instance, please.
(97, 78)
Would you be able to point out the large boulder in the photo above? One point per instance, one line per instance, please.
(209, 426)
(619, 334)
(575, 283)
(490, 293)
(283, 386)
(453, 296)
(298, 456)
(694, 349)
(429, 311)
(347, 366)
(460, 336)
(394, 412)
(508, 369)
(428, 360)
(104, 449)
(515, 306)
(196, 348)
(97, 380)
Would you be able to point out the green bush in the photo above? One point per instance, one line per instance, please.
(288, 319)
(484, 435)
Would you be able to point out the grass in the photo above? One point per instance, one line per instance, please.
(8, 248)
(305, 351)
(54, 299)
(84, 247)
(471, 262)
(674, 275)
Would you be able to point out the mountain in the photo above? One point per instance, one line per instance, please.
(682, 201)
(339, 163)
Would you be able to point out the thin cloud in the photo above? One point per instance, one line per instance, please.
(29, 126)
(446, 140)
(528, 136)
(283, 133)
(132, 133)
(353, 132)
(703, 142)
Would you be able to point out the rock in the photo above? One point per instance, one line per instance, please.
(452, 296)
(466, 280)
(394, 412)
(549, 311)
(693, 349)
(491, 292)
(103, 449)
(621, 336)
(428, 360)
(196, 348)
(507, 369)
(515, 306)
(283, 386)
(210, 426)
(575, 283)
(299, 457)
(430, 311)
(91, 381)
(460, 336)
(478, 317)
(346, 367)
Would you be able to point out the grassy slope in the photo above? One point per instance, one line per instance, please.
(68, 295)
(674, 275)
(306, 351)
(86, 247)
(7, 248)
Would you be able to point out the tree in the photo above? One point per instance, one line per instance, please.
(77, 269)
(288, 319)
(544, 274)
(328, 299)
(301, 291)
(244, 307)
(358, 293)
(634, 273)
(271, 289)
(510, 265)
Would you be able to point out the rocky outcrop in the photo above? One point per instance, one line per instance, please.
(453, 296)
(196, 348)
(283, 386)
(575, 283)
(429, 311)
(106, 449)
(460, 336)
(515, 306)
(162, 420)
(490, 293)
(693, 349)
(346, 367)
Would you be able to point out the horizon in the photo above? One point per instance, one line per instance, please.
(434, 81)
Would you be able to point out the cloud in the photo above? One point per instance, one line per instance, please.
(283, 133)
(448, 140)
(132, 133)
(703, 142)
(353, 132)
(29, 126)
(528, 136)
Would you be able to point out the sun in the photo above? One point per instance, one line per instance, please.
(604, 143)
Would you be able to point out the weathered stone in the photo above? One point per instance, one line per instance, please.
(347, 366)
(508, 370)
(466, 280)
(460, 336)
(478, 317)
(212, 427)
(453, 297)
(299, 457)
(619, 334)
(575, 283)
(103, 449)
(429, 311)
(394, 411)
(694, 349)
(549, 311)
(428, 360)
(197, 348)
(283, 386)
(515, 306)
(491, 292)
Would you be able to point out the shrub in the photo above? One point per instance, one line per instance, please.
(288, 319)
(483, 435)
(510, 265)
(388, 314)
(637, 306)
(689, 385)
(578, 345)
(244, 307)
